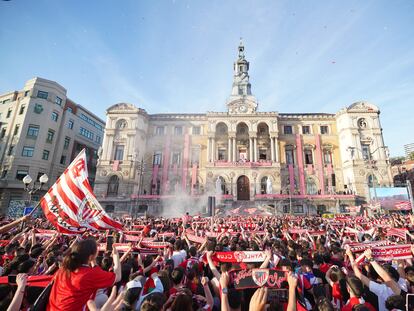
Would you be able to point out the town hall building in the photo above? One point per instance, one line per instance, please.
(294, 162)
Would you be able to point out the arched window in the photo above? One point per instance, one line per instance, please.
(311, 186)
(121, 124)
(371, 180)
(113, 186)
(263, 185)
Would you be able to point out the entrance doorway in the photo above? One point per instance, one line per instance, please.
(243, 188)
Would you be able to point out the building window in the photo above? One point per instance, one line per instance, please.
(22, 172)
(86, 133)
(178, 130)
(42, 94)
(3, 133)
(119, 153)
(98, 139)
(66, 143)
(26, 93)
(70, 124)
(311, 186)
(262, 154)
(195, 155)
(45, 155)
(63, 159)
(327, 157)
(113, 186)
(50, 135)
(11, 150)
(298, 209)
(287, 129)
(196, 130)
(308, 156)
(289, 157)
(33, 131)
(157, 158)
(6, 101)
(221, 154)
(21, 111)
(159, 130)
(306, 130)
(324, 129)
(27, 152)
(16, 129)
(38, 108)
(176, 158)
(55, 116)
(8, 113)
(69, 109)
(365, 152)
(58, 101)
(286, 209)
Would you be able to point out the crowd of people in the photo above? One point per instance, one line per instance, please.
(200, 263)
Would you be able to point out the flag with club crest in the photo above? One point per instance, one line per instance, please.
(70, 204)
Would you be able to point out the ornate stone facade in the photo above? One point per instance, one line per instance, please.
(317, 161)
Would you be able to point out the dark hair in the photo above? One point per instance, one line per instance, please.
(355, 285)
(79, 254)
(182, 302)
(25, 266)
(306, 262)
(234, 298)
(360, 307)
(193, 251)
(324, 304)
(177, 275)
(392, 272)
(153, 302)
(107, 263)
(395, 302)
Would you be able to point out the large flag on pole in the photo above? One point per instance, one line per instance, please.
(70, 204)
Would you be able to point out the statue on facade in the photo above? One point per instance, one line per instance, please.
(269, 187)
(218, 186)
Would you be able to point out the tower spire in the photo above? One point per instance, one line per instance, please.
(241, 99)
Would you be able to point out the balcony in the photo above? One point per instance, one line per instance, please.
(305, 196)
(263, 163)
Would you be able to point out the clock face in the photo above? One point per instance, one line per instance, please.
(242, 108)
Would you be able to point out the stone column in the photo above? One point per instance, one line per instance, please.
(234, 150)
(213, 149)
(250, 149)
(272, 149)
(255, 149)
(229, 149)
(277, 150)
(208, 150)
(110, 147)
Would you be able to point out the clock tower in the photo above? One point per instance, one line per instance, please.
(241, 100)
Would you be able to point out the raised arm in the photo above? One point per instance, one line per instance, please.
(213, 268)
(389, 281)
(13, 224)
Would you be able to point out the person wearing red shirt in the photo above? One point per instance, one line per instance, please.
(78, 279)
(355, 289)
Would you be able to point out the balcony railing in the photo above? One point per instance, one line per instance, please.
(242, 164)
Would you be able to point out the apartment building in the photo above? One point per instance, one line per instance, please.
(41, 131)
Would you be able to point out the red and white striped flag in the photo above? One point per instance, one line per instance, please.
(398, 232)
(70, 204)
(403, 205)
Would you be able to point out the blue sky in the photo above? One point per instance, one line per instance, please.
(176, 56)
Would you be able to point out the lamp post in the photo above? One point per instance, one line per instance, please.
(32, 188)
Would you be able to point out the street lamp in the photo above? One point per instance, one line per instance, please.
(33, 188)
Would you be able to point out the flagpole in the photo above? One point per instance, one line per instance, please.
(410, 194)
(35, 208)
